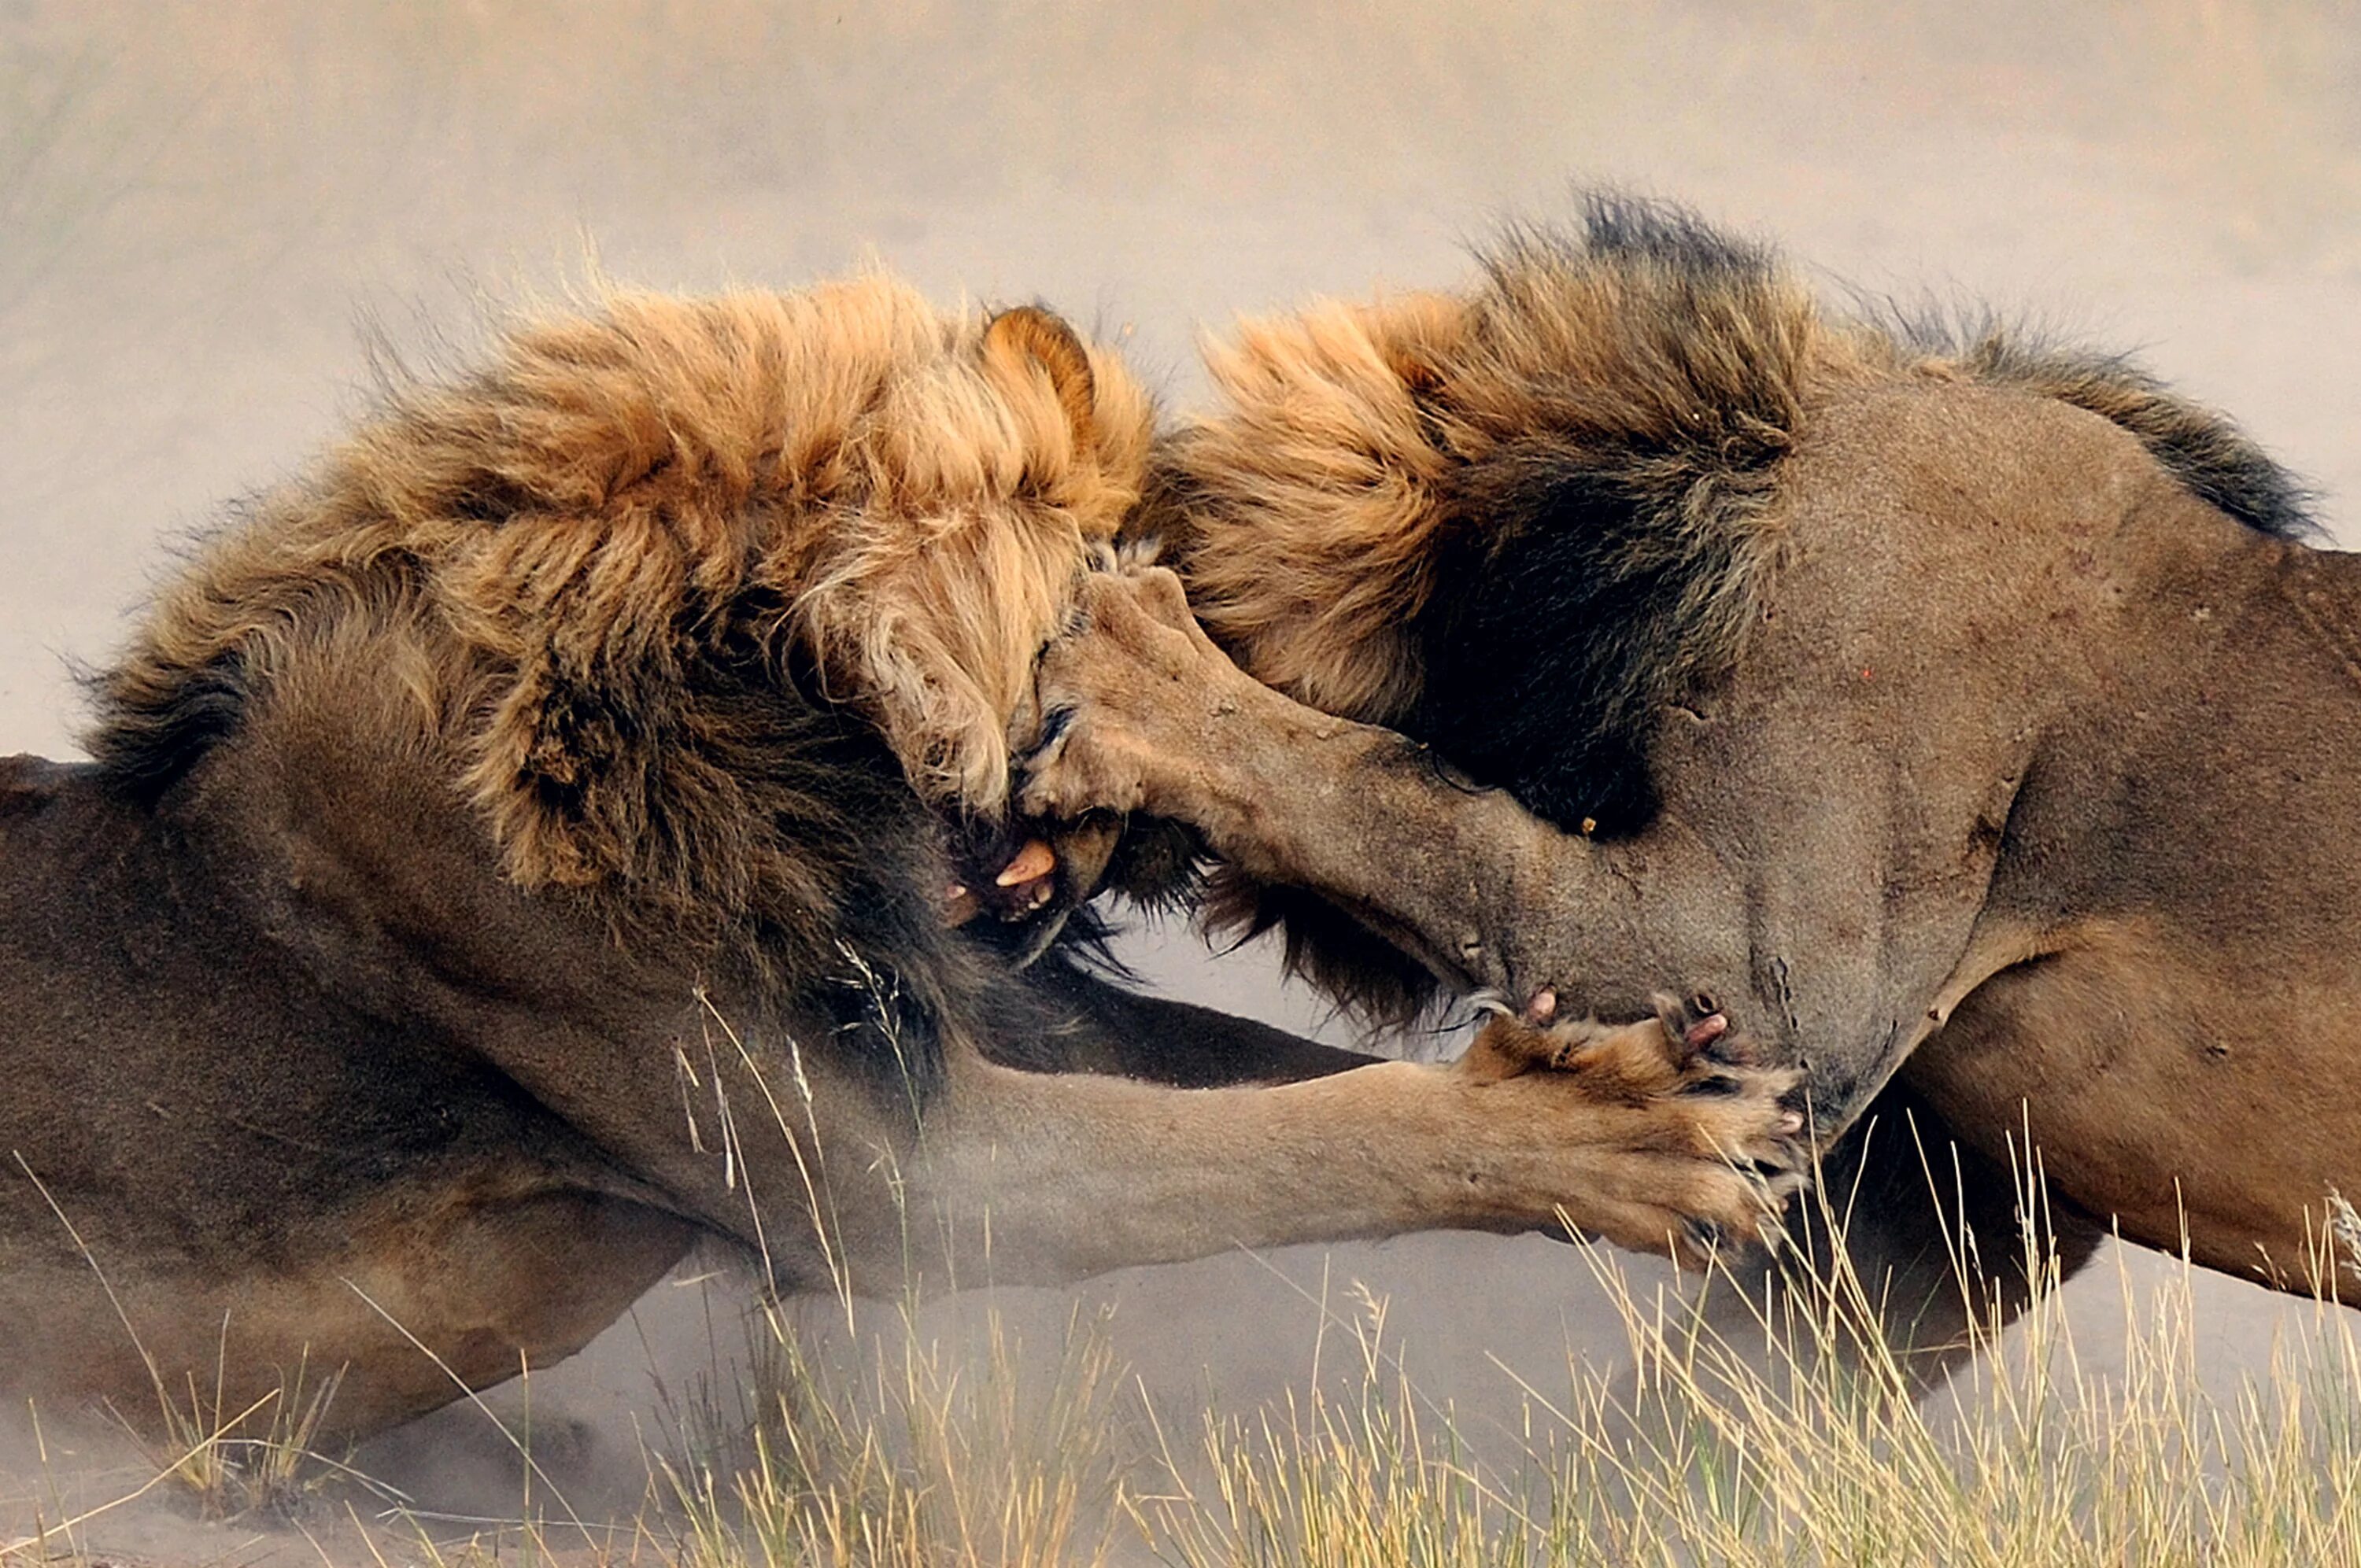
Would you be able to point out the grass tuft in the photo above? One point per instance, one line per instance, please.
(1802, 1439)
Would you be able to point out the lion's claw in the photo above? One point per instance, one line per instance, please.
(1704, 1150)
(1121, 698)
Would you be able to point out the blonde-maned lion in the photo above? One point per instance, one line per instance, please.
(1969, 718)
(572, 821)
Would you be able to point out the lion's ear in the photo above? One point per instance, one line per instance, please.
(1027, 335)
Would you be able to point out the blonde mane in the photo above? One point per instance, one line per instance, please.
(552, 556)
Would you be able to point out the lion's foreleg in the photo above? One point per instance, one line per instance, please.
(1913, 1252)
(1145, 714)
(1114, 1030)
(1640, 1136)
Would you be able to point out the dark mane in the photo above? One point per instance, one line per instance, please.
(145, 749)
(661, 591)
(2203, 449)
(1636, 449)
(1633, 450)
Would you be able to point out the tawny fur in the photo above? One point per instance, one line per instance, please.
(1309, 510)
(1973, 717)
(844, 477)
(522, 850)
(1522, 521)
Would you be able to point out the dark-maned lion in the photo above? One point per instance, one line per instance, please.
(570, 822)
(1969, 718)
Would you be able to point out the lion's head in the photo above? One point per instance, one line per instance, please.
(1520, 521)
(645, 578)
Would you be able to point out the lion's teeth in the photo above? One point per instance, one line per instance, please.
(1034, 861)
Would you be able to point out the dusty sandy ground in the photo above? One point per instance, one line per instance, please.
(200, 208)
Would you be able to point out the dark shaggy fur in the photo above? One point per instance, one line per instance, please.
(2215, 460)
(1634, 537)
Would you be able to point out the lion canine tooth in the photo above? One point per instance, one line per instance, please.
(1034, 861)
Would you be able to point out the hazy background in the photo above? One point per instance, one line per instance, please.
(201, 203)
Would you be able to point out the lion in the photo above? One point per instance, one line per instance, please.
(1975, 721)
(572, 822)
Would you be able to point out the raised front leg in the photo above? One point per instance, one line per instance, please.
(1093, 1025)
(1817, 861)
(1142, 713)
(1657, 1138)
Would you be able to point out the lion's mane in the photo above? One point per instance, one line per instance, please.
(1521, 521)
(699, 602)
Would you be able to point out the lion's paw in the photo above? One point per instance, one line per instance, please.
(1698, 1141)
(1122, 700)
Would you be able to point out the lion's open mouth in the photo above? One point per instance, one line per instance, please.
(1024, 886)
(1014, 884)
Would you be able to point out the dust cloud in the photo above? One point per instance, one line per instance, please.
(202, 208)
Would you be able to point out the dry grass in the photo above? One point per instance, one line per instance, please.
(1777, 1452)
(937, 1454)
(931, 1454)
(1806, 1444)
(1774, 1451)
(1767, 1454)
